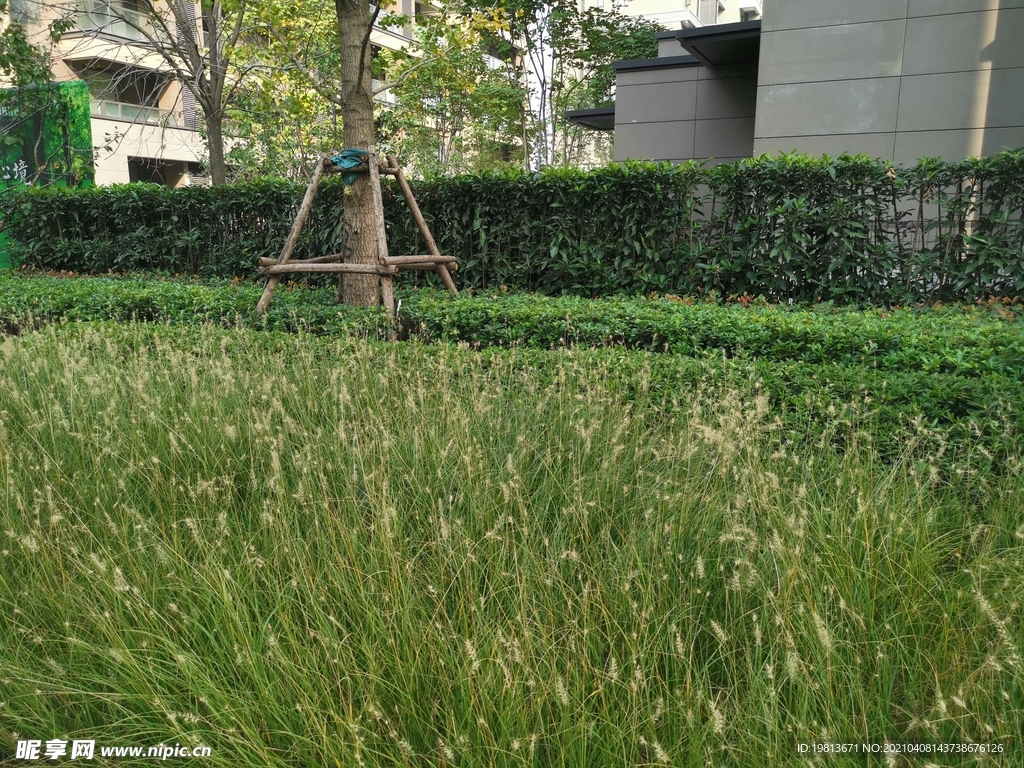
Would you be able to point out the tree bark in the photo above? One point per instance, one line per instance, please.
(359, 215)
(215, 143)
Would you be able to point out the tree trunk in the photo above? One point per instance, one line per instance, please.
(359, 216)
(215, 142)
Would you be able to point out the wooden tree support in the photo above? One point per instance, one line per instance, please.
(298, 266)
(418, 260)
(386, 266)
(420, 222)
(293, 236)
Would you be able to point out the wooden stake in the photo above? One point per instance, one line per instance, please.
(386, 288)
(421, 223)
(387, 292)
(293, 236)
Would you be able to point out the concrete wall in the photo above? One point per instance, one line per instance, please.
(120, 142)
(896, 79)
(674, 109)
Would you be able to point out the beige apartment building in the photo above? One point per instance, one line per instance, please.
(145, 124)
(687, 14)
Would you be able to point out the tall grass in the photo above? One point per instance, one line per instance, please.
(341, 553)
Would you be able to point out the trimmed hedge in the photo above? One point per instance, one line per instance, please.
(928, 341)
(848, 229)
(957, 370)
(969, 342)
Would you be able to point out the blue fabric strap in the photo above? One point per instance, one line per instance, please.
(350, 158)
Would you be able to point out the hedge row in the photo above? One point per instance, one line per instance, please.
(927, 341)
(971, 342)
(847, 229)
(813, 393)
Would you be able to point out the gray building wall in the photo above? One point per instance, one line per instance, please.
(896, 79)
(675, 109)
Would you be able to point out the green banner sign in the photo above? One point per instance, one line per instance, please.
(45, 139)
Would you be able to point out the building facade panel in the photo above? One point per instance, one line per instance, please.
(669, 46)
(871, 144)
(678, 113)
(661, 74)
(732, 137)
(656, 141)
(713, 161)
(727, 98)
(963, 100)
(818, 109)
(657, 103)
(977, 142)
(728, 72)
(963, 42)
(797, 14)
(939, 7)
(842, 52)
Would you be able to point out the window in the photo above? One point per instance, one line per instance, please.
(707, 11)
(128, 19)
(24, 12)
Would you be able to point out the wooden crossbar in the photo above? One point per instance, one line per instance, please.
(418, 260)
(428, 266)
(265, 262)
(295, 266)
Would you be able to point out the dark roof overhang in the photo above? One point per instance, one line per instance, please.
(723, 44)
(600, 119)
(663, 62)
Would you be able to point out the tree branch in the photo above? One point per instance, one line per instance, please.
(311, 75)
(404, 76)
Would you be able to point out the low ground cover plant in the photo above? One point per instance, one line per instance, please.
(965, 340)
(304, 550)
(957, 370)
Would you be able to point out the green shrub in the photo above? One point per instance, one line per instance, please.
(957, 369)
(845, 229)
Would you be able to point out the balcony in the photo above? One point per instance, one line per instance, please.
(132, 113)
(688, 20)
(107, 17)
(751, 7)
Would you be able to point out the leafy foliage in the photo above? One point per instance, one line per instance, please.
(278, 117)
(212, 231)
(857, 229)
(845, 230)
(453, 105)
(23, 62)
(563, 54)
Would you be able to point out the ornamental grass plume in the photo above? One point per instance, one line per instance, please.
(572, 570)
